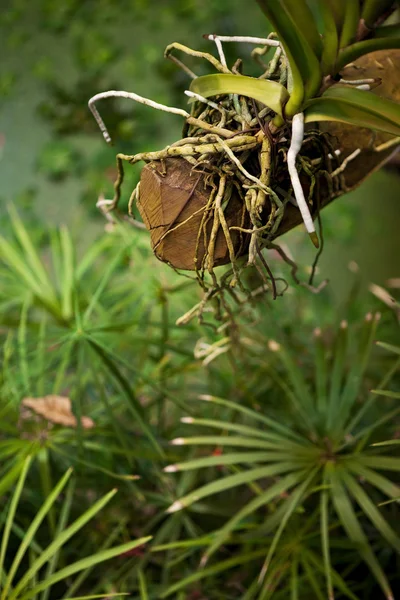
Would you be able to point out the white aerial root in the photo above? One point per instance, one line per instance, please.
(357, 82)
(294, 149)
(346, 161)
(129, 96)
(239, 39)
(244, 39)
(220, 52)
(200, 98)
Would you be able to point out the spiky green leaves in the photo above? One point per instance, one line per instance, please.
(29, 585)
(289, 467)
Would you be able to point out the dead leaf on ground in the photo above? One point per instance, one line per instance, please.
(56, 409)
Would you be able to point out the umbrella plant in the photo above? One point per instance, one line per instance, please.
(312, 474)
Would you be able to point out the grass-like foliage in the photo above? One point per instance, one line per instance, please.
(293, 488)
(316, 465)
(29, 585)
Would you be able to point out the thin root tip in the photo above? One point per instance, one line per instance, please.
(203, 561)
(314, 238)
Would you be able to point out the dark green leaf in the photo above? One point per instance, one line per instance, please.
(356, 107)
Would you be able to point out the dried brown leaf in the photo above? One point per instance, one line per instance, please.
(56, 409)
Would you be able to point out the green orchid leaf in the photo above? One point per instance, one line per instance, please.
(304, 63)
(330, 37)
(304, 19)
(351, 53)
(338, 8)
(356, 107)
(294, 501)
(387, 31)
(373, 9)
(22, 469)
(350, 23)
(272, 94)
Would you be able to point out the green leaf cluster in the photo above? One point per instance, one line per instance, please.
(316, 56)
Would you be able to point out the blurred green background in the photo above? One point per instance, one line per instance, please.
(54, 162)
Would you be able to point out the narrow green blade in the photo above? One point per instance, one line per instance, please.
(231, 481)
(226, 440)
(234, 458)
(371, 511)
(351, 525)
(81, 565)
(273, 424)
(67, 275)
(213, 570)
(142, 586)
(244, 429)
(262, 499)
(34, 526)
(387, 393)
(376, 479)
(389, 347)
(58, 543)
(23, 469)
(294, 501)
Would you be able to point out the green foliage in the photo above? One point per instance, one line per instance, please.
(269, 92)
(292, 468)
(322, 455)
(311, 59)
(286, 482)
(355, 107)
(28, 585)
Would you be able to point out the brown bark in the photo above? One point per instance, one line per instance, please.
(384, 64)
